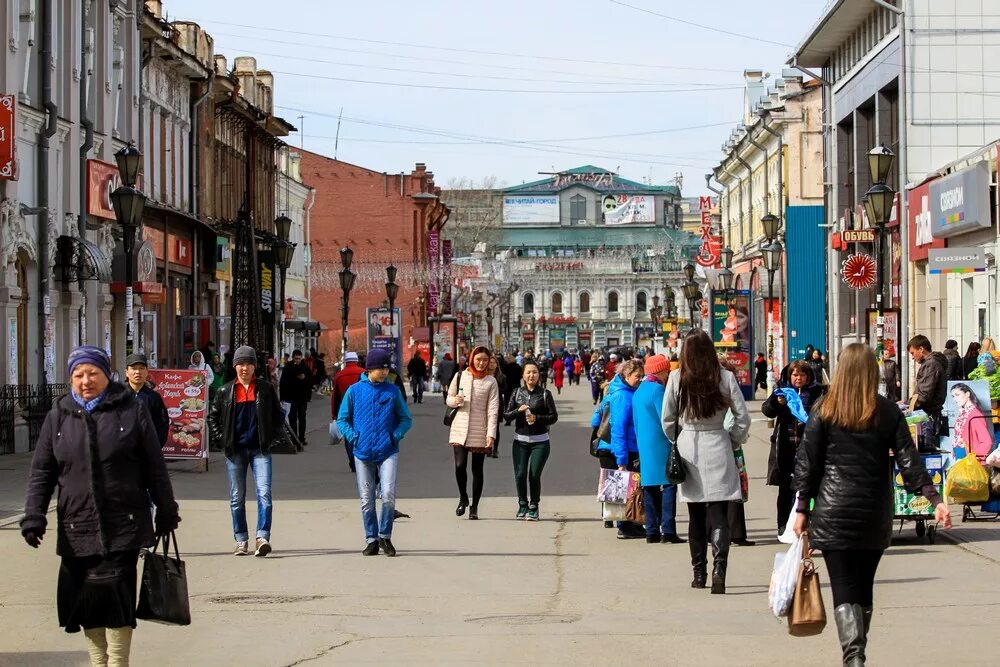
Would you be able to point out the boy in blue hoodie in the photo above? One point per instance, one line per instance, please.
(373, 417)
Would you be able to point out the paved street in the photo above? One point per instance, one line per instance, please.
(561, 591)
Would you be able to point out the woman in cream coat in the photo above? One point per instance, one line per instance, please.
(476, 394)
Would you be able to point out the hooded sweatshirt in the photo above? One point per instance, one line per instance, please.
(201, 365)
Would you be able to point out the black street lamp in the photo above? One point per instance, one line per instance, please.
(346, 285)
(771, 254)
(691, 293)
(284, 251)
(129, 204)
(878, 203)
(391, 291)
(689, 271)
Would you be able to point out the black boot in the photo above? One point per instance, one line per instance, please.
(852, 632)
(699, 562)
(720, 554)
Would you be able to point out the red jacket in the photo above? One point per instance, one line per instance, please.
(345, 377)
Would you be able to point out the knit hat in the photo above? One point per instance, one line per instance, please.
(377, 359)
(351, 356)
(89, 354)
(136, 359)
(656, 363)
(245, 355)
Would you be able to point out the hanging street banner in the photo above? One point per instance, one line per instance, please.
(711, 244)
(732, 332)
(433, 262)
(8, 137)
(384, 333)
(185, 395)
(446, 257)
(627, 209)
(267, 291)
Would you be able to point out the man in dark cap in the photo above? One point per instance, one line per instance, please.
(245, 419)
(137, 374)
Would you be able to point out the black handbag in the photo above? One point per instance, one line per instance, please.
(163, 595)
(675, 465)
(603, 431)
(449, 414)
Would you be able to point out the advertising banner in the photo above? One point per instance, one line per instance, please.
(185, 395)
(918, 211)
(970, 414)
(8, 137)
(530, 209)
(960, 202)
(626, 209)
(956, 260)
(384, 332)
(433, 264)
(711, 243)
(890, 330)
(444, 341)
(557, 339)
(267, 289)
(446, 256)
(732, 332)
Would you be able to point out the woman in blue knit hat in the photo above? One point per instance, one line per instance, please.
(99, 446)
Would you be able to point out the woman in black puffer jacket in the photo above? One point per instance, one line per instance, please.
(844, 463)
(532, 410)
(98, 445)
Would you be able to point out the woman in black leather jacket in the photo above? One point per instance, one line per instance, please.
(844, 463)
(532, 410)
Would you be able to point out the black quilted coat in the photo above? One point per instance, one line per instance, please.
(850, 476)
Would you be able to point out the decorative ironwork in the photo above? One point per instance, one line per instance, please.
(25, 404)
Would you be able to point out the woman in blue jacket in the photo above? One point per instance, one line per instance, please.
(659, 495)
(373, 417)
(622, 452)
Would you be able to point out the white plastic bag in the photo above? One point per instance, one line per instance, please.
(613, 511)
(783, 579)
(788, 537)
(336, 437)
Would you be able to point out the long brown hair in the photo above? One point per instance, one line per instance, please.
(701, 374)
(852, 402)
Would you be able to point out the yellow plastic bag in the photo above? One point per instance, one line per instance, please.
(968, 481)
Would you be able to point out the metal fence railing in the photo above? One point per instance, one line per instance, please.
(25, 405)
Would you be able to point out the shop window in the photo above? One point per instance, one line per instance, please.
(612, 302)
(640, 302)
(529, 304)
(557, 302)
(585, 302)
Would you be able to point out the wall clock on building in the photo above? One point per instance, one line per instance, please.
(859, 271)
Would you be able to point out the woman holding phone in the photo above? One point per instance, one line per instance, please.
(532, 410)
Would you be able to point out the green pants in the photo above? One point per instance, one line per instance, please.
(529, 459)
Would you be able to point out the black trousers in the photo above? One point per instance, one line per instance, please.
(852, 575)
(736, 514)
(786, 499)
(703, 520)
(297, 419)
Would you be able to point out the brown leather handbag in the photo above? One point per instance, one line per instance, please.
(807, 616)
(635, 508)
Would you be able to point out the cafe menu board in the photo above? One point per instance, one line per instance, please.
(185, 395)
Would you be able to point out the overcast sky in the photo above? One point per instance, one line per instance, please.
(437, 100)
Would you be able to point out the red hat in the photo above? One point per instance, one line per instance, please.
(656, 364)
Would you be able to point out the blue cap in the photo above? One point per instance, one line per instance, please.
(377, 359)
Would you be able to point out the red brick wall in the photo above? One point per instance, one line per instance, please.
(364, 209)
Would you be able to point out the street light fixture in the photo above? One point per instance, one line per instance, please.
(284, 251)
(691, 293)
(391, 291)
(771, 254)
(726, 257)
(689, 271)
(347, 278)
(129, 204)
(771, 224)
(878, 202)
(346, 257)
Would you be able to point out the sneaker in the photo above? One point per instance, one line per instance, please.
(522, 511)
(263, 547)
(387, 547)
(371, 549)
(532, 513)
(241, 549)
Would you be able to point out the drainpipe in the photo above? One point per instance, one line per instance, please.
(87, 125)
(749, 188)
(44, 145)
(708, 184)
(308, 244)
(193, 142)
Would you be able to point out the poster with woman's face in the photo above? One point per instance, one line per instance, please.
(967, 406)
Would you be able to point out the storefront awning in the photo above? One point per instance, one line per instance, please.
(94, 265)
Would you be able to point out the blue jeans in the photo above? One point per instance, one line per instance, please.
(237, 470)
(384, 474)
(661, 509)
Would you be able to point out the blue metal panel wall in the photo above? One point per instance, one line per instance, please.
(805, 243)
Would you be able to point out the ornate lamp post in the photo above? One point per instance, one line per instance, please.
(691, 293)
(771, 254)
(284, 251)
(656, 317)
(129, 203)
(878, 203)
(346, 285)
(391, 291)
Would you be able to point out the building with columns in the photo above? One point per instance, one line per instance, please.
(588, 251)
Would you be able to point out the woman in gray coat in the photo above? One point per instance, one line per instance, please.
(694, 410)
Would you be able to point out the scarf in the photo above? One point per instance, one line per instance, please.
(91, 405)
(960, 422)
(472, 357)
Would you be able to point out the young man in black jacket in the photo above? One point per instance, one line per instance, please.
(137, 374)
(296, 386)
(930, 388)
(244, 420)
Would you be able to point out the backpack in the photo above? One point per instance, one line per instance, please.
(602, 433)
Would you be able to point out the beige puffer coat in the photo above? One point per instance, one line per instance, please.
(477, 419)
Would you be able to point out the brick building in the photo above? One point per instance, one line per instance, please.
(386, 219)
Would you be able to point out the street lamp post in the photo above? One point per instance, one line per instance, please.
(655, 317)
(391, 291)
(878, 203)
(346, 285)
(691, 293)
(284, 251)
(129, 203)
(771, 254)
